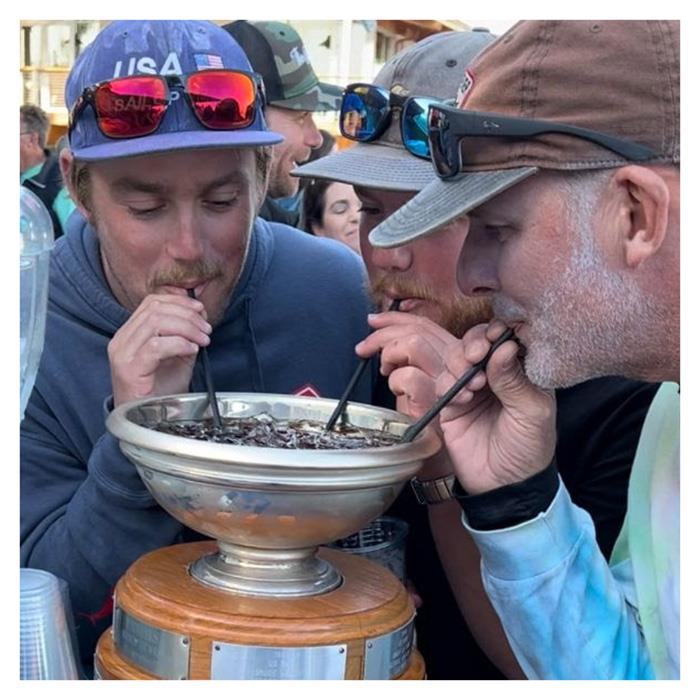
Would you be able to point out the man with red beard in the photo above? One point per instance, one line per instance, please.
(598, 422)
(167, 191)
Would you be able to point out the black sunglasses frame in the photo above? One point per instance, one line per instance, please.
(394, 103)
(449, 126)
(87, 97)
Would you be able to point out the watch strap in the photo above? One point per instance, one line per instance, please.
(433, 490)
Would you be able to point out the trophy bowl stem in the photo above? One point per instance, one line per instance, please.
(258, 572)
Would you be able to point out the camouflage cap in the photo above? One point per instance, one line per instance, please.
(276, 51)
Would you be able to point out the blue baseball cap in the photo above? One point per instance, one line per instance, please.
(163, 47)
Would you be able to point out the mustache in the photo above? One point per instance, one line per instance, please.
(507, 310)
(457, 312)
(181, 272)
(401, 288)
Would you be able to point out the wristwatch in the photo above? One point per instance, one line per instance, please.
(433, 490)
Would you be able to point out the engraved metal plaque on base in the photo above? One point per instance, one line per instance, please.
(162, 653)
(388, 656)
(241, 662)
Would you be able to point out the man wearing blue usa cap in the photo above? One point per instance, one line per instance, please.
(169, 157)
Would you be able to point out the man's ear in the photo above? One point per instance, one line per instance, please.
(263, 168)
(65, 159)
(261, 191)
(646, 201)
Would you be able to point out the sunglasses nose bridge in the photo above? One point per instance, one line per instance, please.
(397, 112)
(176, 88)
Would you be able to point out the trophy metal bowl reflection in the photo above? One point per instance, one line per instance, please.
(268, 508)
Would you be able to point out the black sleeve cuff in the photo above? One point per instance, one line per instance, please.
(512, 504)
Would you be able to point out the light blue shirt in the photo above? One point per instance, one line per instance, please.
(566, 613)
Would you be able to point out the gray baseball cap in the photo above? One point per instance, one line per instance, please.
(442, 201)
(434, 67)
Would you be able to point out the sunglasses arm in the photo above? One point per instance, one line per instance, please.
(486, 124)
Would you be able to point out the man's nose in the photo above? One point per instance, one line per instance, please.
(397, 259)
(477, 270)
(312, 136)
(185, 241)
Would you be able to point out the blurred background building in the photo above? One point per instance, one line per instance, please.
(341, 51)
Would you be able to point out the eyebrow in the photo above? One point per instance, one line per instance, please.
(127, 184)
(487, 209)
(491, 217)
(233, 178)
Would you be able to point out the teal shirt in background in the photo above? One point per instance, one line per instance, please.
(63, 205)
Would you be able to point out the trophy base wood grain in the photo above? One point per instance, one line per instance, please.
(357, 618)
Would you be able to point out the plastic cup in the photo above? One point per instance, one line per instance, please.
(46, 646)
(382, 541)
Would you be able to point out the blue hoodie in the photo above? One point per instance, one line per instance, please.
(294, 318)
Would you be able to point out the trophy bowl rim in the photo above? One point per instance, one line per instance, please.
(145, 440)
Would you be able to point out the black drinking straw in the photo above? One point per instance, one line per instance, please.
(413, 430)
(207, 378)
(354, 379)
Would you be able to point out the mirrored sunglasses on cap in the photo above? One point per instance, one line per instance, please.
(449, 127)
(135, 105)
(365, 114)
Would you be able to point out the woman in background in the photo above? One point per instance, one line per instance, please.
(332, 210)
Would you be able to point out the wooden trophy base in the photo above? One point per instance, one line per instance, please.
(167, 625)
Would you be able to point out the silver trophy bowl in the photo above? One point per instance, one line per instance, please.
(268, 508)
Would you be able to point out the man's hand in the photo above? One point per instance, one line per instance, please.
(153, 353)
(501, 428)
(412, 356)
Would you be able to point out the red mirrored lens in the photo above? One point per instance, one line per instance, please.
(129, 107)
(222, 99)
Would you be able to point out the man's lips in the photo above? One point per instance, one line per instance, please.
(520, 328)
(181, 287)
(410, 303)
(296, 162)
(517, 324)
(407, 303)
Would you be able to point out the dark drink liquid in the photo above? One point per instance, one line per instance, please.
(264, 431)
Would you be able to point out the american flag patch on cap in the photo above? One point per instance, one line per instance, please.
(207, 60)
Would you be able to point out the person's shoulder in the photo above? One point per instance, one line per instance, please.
(298, 247)
(606, 390)
(315, 272)
(604, 403)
